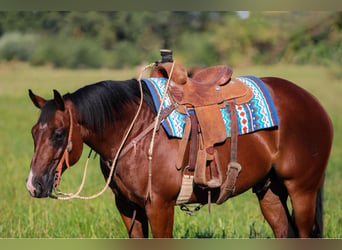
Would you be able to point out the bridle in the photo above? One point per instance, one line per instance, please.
(65, 156)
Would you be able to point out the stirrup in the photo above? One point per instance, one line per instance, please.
(215, 166)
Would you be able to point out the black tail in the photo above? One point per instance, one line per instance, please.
(317, 231)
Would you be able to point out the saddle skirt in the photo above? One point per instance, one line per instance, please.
(257, 114)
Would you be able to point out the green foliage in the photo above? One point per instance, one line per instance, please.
(197, 51)
(49, 51)
(125, 54)
(117, 39)
(17, 46)
(320, 44)
(69, 53)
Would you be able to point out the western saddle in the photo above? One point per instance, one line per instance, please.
(201, 97)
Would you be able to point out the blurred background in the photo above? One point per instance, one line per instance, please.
(125, 39)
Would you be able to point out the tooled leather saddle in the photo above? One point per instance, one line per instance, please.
(201, 97)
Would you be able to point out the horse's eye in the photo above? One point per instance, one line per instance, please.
(58, 135)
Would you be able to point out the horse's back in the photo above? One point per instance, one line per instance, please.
(299, 109)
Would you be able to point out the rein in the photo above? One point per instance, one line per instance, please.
(156, 125)
(65, 158)
(165, 113)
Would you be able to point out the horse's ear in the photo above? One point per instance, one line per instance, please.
(38, 101)
(58, 100)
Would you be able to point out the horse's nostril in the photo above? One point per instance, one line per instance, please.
(38, 190)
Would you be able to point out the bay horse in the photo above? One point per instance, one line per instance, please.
(291, 158)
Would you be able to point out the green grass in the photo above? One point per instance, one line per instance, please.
(24, 217)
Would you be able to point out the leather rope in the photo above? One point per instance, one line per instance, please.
(76, 195)
(132, 222)
(165, 113)
(156, 125)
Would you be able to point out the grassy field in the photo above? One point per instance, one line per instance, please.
(24, 217)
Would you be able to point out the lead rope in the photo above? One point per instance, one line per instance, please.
(76, 195)
(156, 124)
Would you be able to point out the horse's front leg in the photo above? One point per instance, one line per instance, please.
(134, 218)
(160, 215)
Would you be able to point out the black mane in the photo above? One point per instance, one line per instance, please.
(95, 102)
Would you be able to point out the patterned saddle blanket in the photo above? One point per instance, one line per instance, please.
(259, 113)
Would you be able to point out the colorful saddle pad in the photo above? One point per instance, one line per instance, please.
(257, 114)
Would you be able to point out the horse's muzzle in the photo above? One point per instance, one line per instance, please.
(36, 187)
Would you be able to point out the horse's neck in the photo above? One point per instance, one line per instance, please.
(107, 143)
(104, 143)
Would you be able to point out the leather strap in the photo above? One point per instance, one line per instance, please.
(193, 141)
(190, 131)
(234, 168)
(183, 143)
(233, 132)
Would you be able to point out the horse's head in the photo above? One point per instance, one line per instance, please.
(57, 144)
